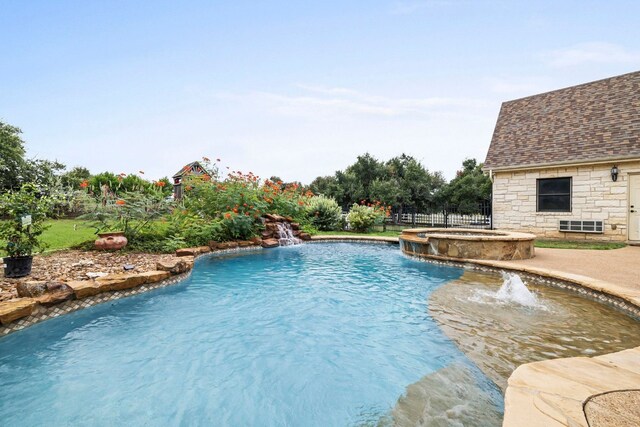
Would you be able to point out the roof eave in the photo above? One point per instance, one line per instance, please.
(631, 158)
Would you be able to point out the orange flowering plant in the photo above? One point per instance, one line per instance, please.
(239, 201)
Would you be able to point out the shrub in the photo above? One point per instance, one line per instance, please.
(324, 212)
(26, 210)
(361, 218)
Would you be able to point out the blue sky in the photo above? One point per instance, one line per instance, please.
(296, 89)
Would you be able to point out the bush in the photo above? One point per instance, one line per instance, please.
(324, 212)
(361, 218)
(27, 204)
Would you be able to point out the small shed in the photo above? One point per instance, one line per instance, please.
(193, 168)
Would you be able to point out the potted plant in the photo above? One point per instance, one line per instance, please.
(24, 212)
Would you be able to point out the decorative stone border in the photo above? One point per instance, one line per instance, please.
(40, 313)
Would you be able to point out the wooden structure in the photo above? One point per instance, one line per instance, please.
(193, 168)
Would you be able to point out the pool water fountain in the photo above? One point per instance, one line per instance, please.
(513, 290)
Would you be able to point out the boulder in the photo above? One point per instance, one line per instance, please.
(119, 282)
(266, 234)
(84, 288)
(296, 233)
(295, 226)
(274, 217)
(187, 252)
(45, 293)
(203, 249)
(154, 276)
(176, 265)
(31, 289)
(270, 243)
(256, 241)
(16, 309)
(244, 243)
(304, 236)
(56, 292)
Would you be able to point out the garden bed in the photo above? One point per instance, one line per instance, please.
(65, 266)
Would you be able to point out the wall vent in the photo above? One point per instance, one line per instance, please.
(582, 226)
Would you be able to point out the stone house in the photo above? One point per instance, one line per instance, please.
(566, 163)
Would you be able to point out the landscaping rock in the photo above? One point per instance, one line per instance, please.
(256, 241)
(119, 282)
(85, 288)
(244, 243)
(31, 289)
(203, 249)
(304, 236)
(154, 276)
(270, 243)
(45, 293)
(187, 252)
(176, 265)
(16, 309)
(295, 226)
(266, 234)
(95, 275)
(55, 294)
(274, 217)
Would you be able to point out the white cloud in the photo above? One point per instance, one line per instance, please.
(590, 53)
(319, 101)
(519, 86)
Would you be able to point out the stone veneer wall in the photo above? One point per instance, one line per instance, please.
(594, 197)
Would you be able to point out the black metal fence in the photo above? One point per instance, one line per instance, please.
(443, 217)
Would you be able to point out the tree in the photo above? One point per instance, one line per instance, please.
(468, 189)
(12, 163)
(74, 177)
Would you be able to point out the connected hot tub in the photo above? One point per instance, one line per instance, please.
(467, 243)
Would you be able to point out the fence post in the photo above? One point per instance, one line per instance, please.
(446, 218)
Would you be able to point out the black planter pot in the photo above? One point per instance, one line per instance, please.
(19, 266)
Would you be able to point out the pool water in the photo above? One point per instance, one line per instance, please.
(315, 335)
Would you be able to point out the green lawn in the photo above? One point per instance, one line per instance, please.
(64, 234)
(569, 244)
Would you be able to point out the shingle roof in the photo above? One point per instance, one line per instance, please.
(191, 168)
(589, 122)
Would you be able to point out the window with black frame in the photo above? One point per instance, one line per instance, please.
(554, 195)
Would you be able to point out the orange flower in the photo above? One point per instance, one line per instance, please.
(301, 203)
(235, 210)
(227, 215)
(84, 184)
(161, 183)
(120, 202)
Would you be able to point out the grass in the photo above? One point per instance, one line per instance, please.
(65, 234)
(570, 244)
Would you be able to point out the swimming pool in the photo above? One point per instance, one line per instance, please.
(320, 334)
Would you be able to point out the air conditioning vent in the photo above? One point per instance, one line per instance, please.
(582, 226)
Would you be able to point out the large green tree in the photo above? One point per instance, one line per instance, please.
(12, 162)
(468, 189)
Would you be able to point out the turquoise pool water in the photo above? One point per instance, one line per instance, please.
(310, 335)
